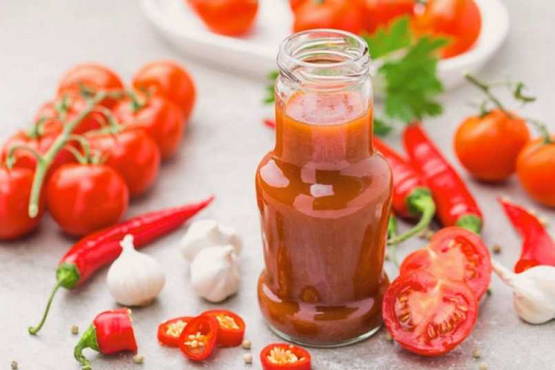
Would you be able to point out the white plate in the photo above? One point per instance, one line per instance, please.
(255, 53)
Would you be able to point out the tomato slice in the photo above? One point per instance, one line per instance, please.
(170, 331)
(198, 339)
(231, 327)
(284, 356)
(457, 254)
(428, 315)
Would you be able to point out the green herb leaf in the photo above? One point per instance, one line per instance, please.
(411, 82)
(381, 127)
(387, 40)
(269, 98)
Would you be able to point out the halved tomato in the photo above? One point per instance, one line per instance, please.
(454, 253)
(429, 315)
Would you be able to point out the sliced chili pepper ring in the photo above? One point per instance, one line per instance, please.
(231, 329)
(283, 356)
(169, 331)
(198, 339)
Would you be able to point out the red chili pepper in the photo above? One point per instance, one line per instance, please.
(269, 123)
(102, 247)
(170, 331)
(283, 356)
(411, 197)
(199, 338)
(111, 332)
(538, 248)
(456, 206)
(231, 327)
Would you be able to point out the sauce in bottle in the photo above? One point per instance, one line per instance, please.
(324, 196)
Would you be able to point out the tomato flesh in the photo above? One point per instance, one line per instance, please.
(169, 331)
(231, 327)
(428, 315)
(457, 254)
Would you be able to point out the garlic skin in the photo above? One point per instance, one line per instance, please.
(134, 279)
(534, 292)
(215, 273)
(207, 233)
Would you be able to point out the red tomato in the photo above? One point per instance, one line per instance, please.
(170, 331)
(198, 339)
(339, 14)
(381, 12)
(133, 154)
(284, 356)
(429, 315)
(170, 80)
(231, 328)
(161, 119)
(83, 198)
(226, 17)
(73, 105)
(488, 146)
(458, 20)
(15, 190)
(454, 253)
(40, 144)
(535, 168)
(294, 4)
(92, 76)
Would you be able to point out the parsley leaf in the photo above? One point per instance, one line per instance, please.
(387, 40)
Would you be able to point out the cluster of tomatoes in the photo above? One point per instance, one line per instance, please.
(457, 20)
(94, 146)
(433, 305)
(497, 143)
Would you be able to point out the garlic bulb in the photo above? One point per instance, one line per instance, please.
(215, 273)
(207, 233)
(534, 292)
(134, 279)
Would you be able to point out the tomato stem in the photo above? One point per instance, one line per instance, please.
(46, 160)
(487, 90)
(542, 128)
(10, 160)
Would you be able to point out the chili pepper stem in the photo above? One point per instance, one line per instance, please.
(67, 276)
(470, 222)
(420, 202)
(391, 234)
(44, 164)
(88, 340)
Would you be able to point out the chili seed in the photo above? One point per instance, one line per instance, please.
(476, 354)
(496, 249)
(247, 357)
(246, 344)
(138, 359)
(388, 337)
(14, 365)
(483, 366)
(74, 329)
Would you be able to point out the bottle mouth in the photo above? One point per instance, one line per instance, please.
(325, 54)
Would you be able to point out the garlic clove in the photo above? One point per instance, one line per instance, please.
(533, 292)
(207, 233)
(134, 279)
(215, 273)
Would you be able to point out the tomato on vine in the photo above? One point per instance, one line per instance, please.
(15, 189)
(91, 77)
(169, 80)
(85, 197)
(535, 168)
(132, 153)
(161, 119)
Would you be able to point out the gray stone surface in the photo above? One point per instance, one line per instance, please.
(225, 140)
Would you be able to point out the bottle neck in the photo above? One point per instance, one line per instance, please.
(332, 129)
